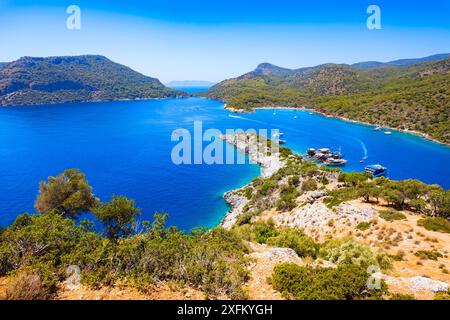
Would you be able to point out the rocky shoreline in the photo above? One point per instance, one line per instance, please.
(269, 164)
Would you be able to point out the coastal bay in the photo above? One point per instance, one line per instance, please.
(122, 147)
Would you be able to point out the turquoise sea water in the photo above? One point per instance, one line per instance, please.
(125, 148)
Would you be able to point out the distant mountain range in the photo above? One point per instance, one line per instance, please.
(412, 96)
(190, 84)
(31, 80)
(399, 63)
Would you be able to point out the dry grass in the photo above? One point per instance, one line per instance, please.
(26, 285)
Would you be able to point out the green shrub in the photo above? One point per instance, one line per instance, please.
(248, 192)
(309, 185)
(264, 230)
(303, 245)
(363, 226)
(347, 282)
(435, 224)
(428, 255)
(352, 179)
(444, 295)
(391, 215)
(294, 180)
(39, 242)
(287, 200)
(336, 197)
(245, 218)
(118, 216)
(267, 187)
(348, 252)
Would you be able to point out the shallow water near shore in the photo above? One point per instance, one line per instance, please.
(125, 148)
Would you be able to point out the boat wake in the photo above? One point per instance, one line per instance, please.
(246, 119)
(363, 146)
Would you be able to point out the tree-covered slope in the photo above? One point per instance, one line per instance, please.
(414, 97)
(68, 79)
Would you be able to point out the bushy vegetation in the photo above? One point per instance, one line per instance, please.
(348, 282)
(212, 261)
(428, 255)
(40, 247)
(262, 231)
(47, 244)
(303, 245)
(265, 232)
(391, 215)
(445, 295)
(410, 194)
(435, 224)
(26, 285)
(363, 226)
(346, 251)
(282, 189)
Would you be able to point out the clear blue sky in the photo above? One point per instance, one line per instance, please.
(218, 39)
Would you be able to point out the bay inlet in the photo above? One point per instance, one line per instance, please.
(124, 147)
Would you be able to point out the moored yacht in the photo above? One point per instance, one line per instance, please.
(326, 156)
(335, 162)
(377, 170)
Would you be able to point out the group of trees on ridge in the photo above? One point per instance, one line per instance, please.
(32, 80)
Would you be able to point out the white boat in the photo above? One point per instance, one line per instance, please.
(388, 132)
(277, 135)
(335, 162)
(378, 128)
(376, 170)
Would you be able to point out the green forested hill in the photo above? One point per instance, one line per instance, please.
(69, 79)
(414, 97)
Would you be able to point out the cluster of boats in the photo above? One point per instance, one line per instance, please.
(335, 158)
(326, 156)
(332, 158)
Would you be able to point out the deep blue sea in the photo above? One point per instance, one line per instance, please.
(125, 147)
